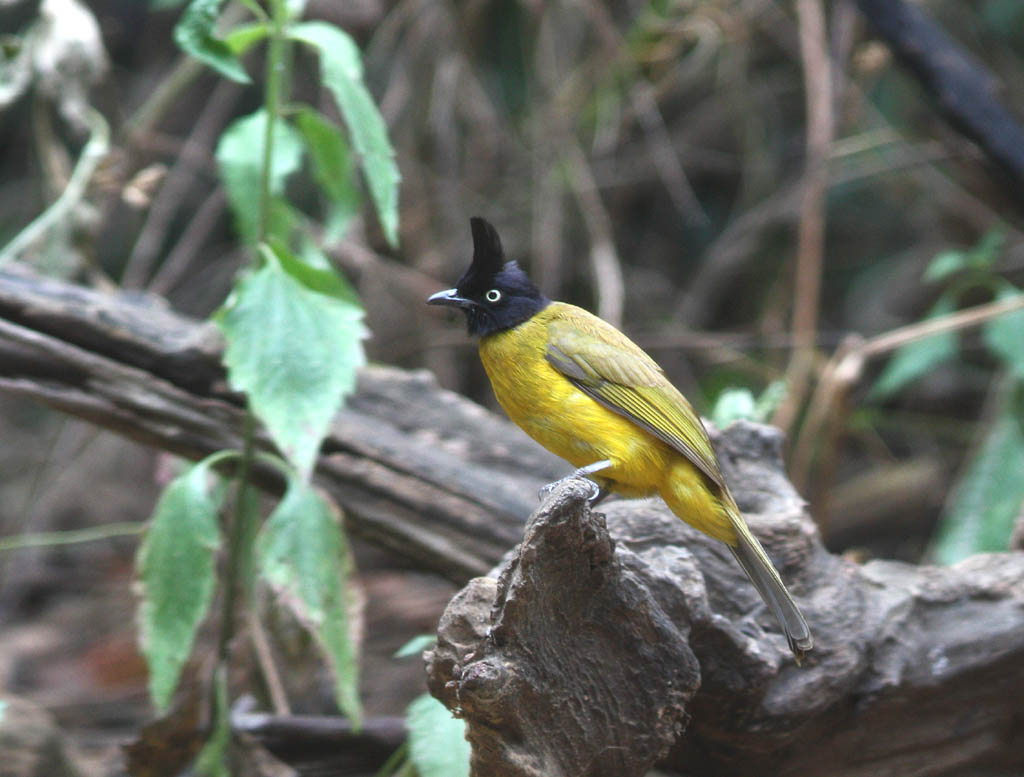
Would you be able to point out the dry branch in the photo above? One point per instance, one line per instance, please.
(915, 671)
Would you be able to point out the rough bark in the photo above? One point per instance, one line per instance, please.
(579, 654)
(567, 664)
(915, 670)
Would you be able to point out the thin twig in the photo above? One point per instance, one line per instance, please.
(846, 366)
(177, 184)
(265, 659)
(49, 539)
(665, 156)
(604, 259)
(186, 70)
(811, 235)
(645, 102)
(163, 97)
(179, 258)
(95, 150)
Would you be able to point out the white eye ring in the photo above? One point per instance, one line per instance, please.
(493, 295)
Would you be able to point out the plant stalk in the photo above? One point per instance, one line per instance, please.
(275, 76)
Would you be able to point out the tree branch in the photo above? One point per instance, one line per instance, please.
(962, 87)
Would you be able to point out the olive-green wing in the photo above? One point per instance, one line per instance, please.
(609, 367)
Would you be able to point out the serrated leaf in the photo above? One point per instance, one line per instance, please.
(176, 570)
(332, 170)
(321, 278)
(1004, 335)
(195, 34)
(243, 37)
(240, 160)
(989, 497)
(341, 69)
(295, 352)
(416, 645)
(437, 739)
(731, 405)
(945, 264)
(915, 359)
(303, 555)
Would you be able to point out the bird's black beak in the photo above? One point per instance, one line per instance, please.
(449, 297)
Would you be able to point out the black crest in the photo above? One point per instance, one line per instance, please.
(494, 294)
(488, 256)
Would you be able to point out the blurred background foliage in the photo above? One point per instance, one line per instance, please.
(643, 159)
(646, 160)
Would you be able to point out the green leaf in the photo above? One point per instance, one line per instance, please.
(1004, 335)
(240, 159)
(332, 170)
(341, 69)
(295, 352)
(945, 264)
(416, 645)
(212, 760)
(321, 278)
(176, 569)
(437, 739)
(303, 555)
(990, 495)
(915, 359)
(732, 404)
(245, 36)
(195, 34)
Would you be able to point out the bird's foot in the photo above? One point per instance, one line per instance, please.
(597, 494)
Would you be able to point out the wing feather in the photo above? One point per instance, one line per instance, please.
(610, 368)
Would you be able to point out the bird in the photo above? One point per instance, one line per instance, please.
(589, 394)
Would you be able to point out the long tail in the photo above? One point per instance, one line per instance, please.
(766, 580)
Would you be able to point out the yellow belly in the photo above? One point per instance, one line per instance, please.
(549, 408)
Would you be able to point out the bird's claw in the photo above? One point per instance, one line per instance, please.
(595, 492)
(598, 492)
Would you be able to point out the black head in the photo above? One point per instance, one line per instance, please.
(494, 294)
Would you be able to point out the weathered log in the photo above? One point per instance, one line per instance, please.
(423, 471)
(916, 670)
(567, 664)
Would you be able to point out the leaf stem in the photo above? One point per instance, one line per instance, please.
(272, 100)
(241, 530)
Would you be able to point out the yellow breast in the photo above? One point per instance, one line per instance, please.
(548, 407)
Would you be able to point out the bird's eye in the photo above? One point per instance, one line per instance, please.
(493, 295)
